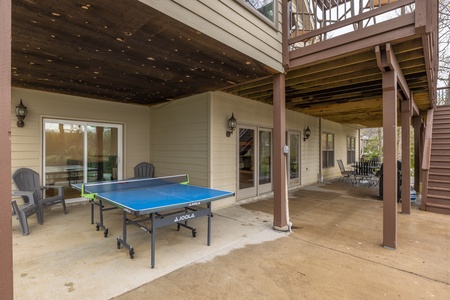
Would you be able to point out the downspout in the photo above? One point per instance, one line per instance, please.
(320, 175)
(288, 221)
(426, 157)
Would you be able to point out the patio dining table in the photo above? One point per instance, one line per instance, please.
(366, 171)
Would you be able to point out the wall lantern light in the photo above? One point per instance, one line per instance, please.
(232, 123)
(21, 113)
(307, 133)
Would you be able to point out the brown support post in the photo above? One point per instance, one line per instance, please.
(6, 257)
(417, 125)
(406, 156)
(390, 159)
(285, 30)
(279, 158)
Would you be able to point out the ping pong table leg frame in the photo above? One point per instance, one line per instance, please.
(99, 224)
(160, 220)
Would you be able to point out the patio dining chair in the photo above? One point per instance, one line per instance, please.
(345, 173)
(27, 180)
(144, 170)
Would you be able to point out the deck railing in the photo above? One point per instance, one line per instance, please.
(443, 96)
(313, 21)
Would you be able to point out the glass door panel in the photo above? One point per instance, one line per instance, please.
(265, 161)
(63, 155)
(294, 158)
(246, 158)
(102, 153)
(247, 176)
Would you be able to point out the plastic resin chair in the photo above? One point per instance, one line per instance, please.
(345, 173)
(27, 180)
(144, 170)
(24, 211)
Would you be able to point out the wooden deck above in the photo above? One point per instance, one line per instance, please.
(337, 77)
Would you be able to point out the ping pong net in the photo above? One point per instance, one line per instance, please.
(89, 190)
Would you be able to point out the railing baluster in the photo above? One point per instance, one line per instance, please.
(443, 96)
(318, 15)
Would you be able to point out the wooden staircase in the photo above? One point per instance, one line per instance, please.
(438, 194)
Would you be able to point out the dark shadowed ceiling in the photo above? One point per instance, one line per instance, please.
(119, 50)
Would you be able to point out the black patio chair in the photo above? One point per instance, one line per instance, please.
(28, 208)
(144, 170)
(27, 180)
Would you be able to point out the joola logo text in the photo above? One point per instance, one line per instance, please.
(184, 217)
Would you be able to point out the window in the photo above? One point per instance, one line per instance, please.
(327, 150)
(350, 150)
(265, 8)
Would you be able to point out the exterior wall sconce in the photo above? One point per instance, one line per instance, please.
(232, 123)
(307, 133)
(21, 113)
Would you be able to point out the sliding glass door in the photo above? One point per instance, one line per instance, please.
(76, 152)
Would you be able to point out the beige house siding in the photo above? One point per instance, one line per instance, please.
(252, 113)
(183, 136)
(224, 149)
(26, 142)
(180, 138)
(230, 23)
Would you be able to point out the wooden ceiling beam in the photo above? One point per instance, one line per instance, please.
(331, 80)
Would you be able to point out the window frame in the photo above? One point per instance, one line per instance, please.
(84, 124)
(257, 13)
(351, 151)
(328, 154)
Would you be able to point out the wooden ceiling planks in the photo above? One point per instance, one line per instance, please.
(120, 51)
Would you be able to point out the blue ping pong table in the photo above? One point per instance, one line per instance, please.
(162, 200)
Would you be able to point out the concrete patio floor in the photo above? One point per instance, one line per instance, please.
(334, 252)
